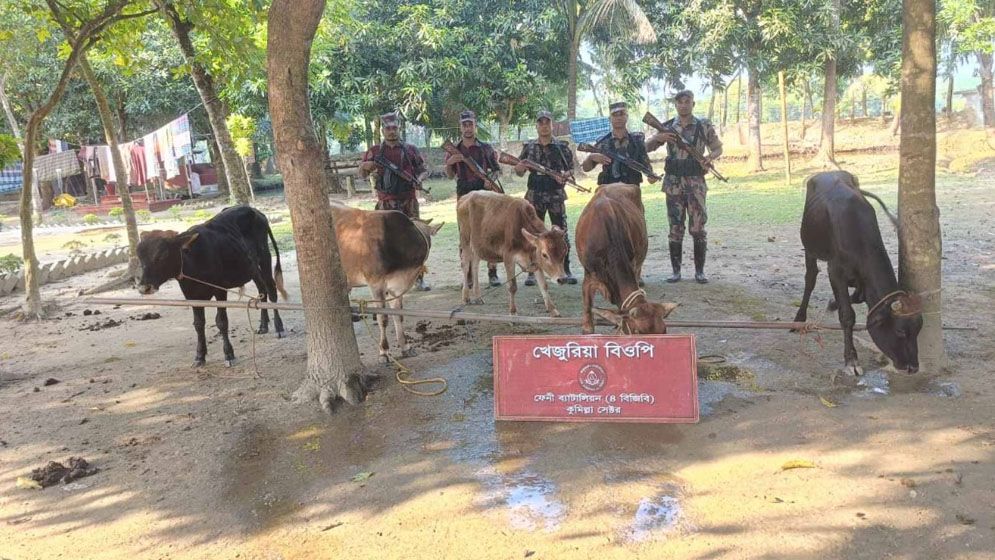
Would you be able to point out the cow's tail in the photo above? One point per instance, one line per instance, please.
(278, 270)
(894, 220)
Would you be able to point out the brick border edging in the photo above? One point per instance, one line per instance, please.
(11, 282)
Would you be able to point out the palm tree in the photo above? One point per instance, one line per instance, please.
(623, 19)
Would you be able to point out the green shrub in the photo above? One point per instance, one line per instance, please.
(10, 262)
(144, 217)
(91, 219)
(74, 246)
(174, 212)
(112, 237)
(116, 212)
(201, 215)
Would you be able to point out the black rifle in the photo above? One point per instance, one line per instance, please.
(624, 160)
(651, 120)
(385, 163)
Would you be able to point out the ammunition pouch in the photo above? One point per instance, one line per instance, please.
(686, 167)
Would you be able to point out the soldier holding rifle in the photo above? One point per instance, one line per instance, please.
(546, 193)
(398, 174)
(457, 167)
(620, 140)
(684, 181)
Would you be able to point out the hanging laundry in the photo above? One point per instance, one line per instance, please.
(168, 153)
(51, 167)
(181, 137)
(151, 159)
(139, 169)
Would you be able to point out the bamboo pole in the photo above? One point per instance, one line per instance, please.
(457, 315)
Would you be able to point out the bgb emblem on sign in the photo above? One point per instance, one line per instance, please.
(648, 378)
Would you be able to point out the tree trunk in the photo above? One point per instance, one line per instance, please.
(784, 126)
(256, 169)
(884, 108)
(11, 121)
(238, 182)
(827, 147)
(853, 109)
(739, 94)
(950, 96)
(110, 134)
(428, 137)
(987, 102)
(594, 94)
(219, 167)
(725, 106)
(334, 370)
(806, 103)
(711, 106)
(755, 160)
(920, 248)
(863, 101)
(896, 123)
(572, 64)
(368, 132)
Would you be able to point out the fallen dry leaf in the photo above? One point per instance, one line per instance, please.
(360, 477)
(25, 483)
(908, 482)
(797, 464)
(826, 402)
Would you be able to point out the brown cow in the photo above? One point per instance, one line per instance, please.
(499, 228)
(385, 250)
(611, 245)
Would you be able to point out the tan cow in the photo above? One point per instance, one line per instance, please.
(495, 228)
(611, 245)
(385, 250)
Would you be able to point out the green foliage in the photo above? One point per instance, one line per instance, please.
(201, 215)
(242, 129)
(970, 24)
(112, 237)
(9, 152)
(174, 212)
(91, 219)
(143, 216)
(10, 263)
(116, 212)
(74, 246)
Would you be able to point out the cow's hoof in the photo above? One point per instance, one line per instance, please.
(384, 359)
(281, 334)
(229, 362)
(409, 353)
(832, 305)
(262, 330)
(199, 362)
(853, 369)
(355, 318)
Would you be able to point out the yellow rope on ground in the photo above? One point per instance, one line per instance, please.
(401, 372)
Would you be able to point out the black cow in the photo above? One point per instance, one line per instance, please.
(228, 251)
(840, 226)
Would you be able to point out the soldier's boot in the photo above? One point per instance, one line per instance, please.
(530, 280)
(568, 277)
(421, 285)
(700, 248)
(676, 247)
(492, 277)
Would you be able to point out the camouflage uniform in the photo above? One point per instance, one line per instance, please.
(545, 193)
(393, 192)
(685, 187)
(633, 146)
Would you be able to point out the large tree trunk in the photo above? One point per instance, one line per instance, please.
(110, 134)
(334, 369)
(784, 127)
(863, 101)
(711, 106)
(919, 241)
(594, 94)
(219, 167)
(755, 160)
(739, 94)
(11, 120)
(987, 102)
(725, 107)
(238, 182)
(896, 123)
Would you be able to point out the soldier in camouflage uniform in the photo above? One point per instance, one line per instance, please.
(546, 193)
(393, 192)
(631, 144)
(684, 182)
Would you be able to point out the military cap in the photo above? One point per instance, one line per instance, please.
(544, 114)
(618, 106)
(684, 93)
(389, 119)
(467, 115)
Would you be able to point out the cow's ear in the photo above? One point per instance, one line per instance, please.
(667, 308)
(188, 240)
(435, 229)
(529, 238)
(428, 221)
(143, 235)
(609, 315)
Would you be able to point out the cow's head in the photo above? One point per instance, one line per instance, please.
(643, 318)
(548, 251)
(159, 254)
(895, 330)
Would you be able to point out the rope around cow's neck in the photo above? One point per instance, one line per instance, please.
(623, 325)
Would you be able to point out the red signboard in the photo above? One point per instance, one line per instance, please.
(641, 378)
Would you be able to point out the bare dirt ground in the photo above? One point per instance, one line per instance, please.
(214, 463)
